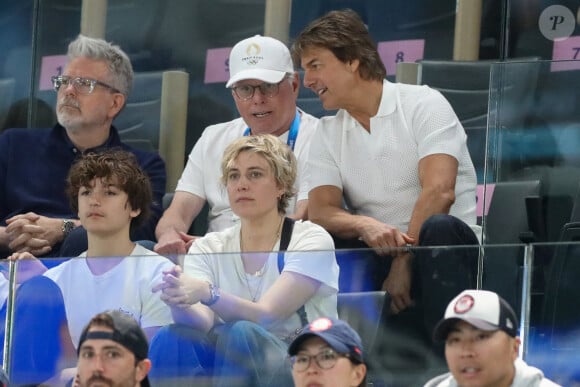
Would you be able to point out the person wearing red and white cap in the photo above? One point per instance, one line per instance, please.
(480, 330)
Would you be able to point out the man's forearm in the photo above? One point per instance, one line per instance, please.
(170, 225)
(338, 222)
(4, 239)
(426, 206)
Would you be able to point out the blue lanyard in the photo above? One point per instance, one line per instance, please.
(293, 131)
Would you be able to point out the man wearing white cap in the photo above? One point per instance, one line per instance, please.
(481, 344)
(264, 87)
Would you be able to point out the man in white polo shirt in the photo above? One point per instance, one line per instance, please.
(265, 88)
(389, 171)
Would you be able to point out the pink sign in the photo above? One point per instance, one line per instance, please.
(400, 51)
(217, 67)
(49, 66)
(487, 191)
(567, 51)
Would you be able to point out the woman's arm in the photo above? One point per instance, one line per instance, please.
(183, 294)
(286, 295)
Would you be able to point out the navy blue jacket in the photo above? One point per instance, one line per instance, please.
(34, 165)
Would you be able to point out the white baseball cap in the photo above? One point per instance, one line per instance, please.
(259, 57)
(483, 309)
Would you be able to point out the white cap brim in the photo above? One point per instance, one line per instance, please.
(264, 75)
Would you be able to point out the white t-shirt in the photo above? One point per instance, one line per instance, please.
(202, 173)
(378, 171)
(310, 253)
(126, 287)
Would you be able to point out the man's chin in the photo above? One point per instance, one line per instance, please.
(69, 123)
(98, 383)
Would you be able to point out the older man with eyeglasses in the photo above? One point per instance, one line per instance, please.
(34, 212)
(265, 88)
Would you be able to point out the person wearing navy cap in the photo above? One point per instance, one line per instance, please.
(480, 330)
(328, 352)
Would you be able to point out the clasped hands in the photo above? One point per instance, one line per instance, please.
(388, 240)
(180, 290)
(33, 233)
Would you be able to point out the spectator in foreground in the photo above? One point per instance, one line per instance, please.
(480, 331)
(113, 351)
(328, 352)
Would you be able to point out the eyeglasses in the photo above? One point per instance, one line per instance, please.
(325, 360)
(245, 92)
(81, 85)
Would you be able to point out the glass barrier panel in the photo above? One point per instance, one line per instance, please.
(554, 341)
(398, 348)
(533, 127)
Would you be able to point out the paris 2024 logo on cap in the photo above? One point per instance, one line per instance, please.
(253, 54)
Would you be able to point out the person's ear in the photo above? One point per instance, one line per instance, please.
(358, 374)
(353, 65)
(117, 104)
(296, 83)
(142, 369)
(516, 347)
(135, 213)
(280, 192)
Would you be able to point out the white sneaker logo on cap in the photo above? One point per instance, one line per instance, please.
(464, 304)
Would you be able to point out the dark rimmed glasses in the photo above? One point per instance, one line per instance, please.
(245, 92)
(81, 85)
(325, 360)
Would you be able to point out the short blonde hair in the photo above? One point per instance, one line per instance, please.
(278, 155)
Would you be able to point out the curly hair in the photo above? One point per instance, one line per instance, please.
(278, 155)
(112, 164)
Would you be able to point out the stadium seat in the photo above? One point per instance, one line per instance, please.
(138, 122)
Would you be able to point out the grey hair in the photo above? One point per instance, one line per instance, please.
(117, 61)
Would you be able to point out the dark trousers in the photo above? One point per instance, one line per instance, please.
(438, 275)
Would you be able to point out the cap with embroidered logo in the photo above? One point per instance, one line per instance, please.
(337, 334)
(259, 57)
(483, 309)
